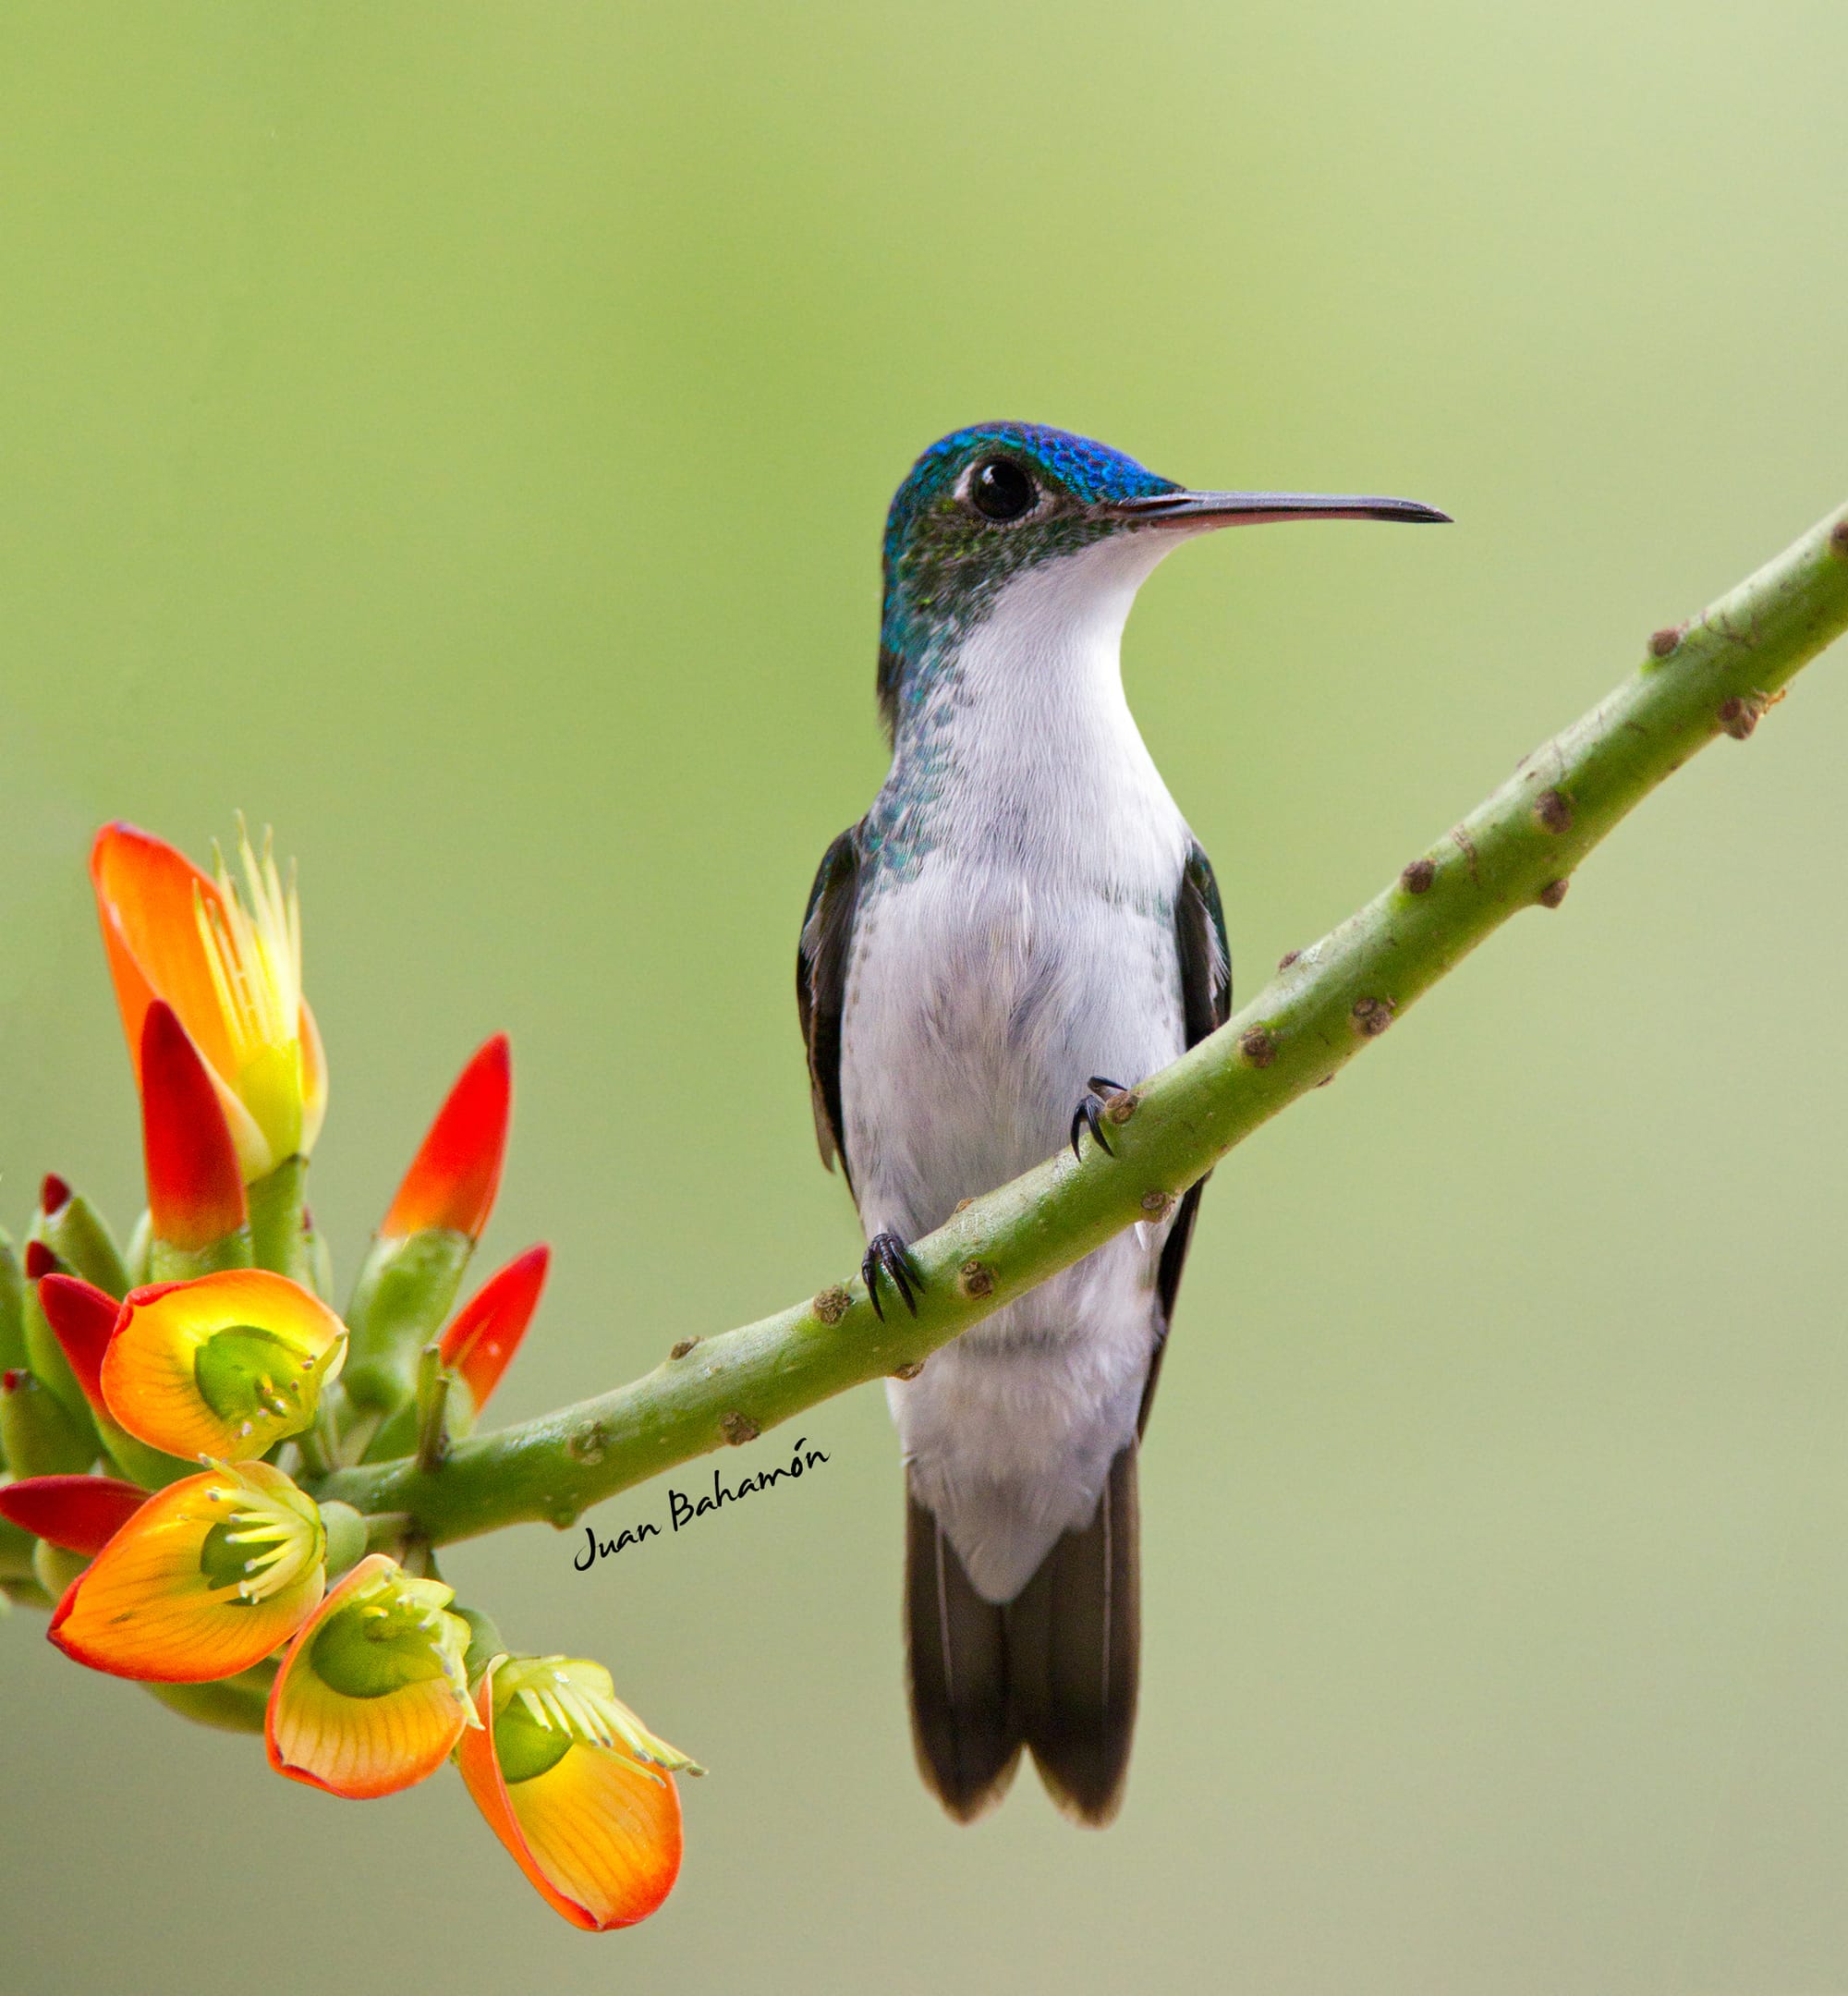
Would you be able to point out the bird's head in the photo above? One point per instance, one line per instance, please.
(984, 506)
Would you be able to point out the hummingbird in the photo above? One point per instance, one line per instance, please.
(1021, 927)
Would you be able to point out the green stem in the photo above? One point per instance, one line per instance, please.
(386, 1533)
(432, 1409)
(1514, 851)
(317, 1446)
(278, 1240)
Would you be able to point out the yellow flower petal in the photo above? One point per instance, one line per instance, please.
(226, 1365)
(604, 1830)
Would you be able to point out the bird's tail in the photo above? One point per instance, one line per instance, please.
(1054, 1669)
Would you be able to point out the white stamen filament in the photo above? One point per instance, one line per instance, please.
(559, 1702)
(284, 1545)
(569, 1696)
(254, 956)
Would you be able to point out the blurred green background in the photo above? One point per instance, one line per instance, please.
(460, 435)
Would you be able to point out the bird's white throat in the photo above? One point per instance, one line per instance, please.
(1034, 744)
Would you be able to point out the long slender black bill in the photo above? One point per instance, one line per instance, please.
(1257, 508)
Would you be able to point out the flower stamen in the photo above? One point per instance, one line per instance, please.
(577, 1698)
(285, 1539)
(254, 957)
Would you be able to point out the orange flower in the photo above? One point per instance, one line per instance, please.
(207, 1578)
(371, 1695)
(578, 1791)
(226, 1365)
(453, 1179)
(232, 975)
(480, 1344)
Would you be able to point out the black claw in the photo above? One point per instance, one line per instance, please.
(1094, 1116)
(1088, 1115)
(887, 1255)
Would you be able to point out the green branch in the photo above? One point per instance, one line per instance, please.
(1712, 678)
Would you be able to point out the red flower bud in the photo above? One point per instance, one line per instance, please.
(81, 1317)
(488, 1328)
(195, 1185)
(81, 1514)
(454, 1176)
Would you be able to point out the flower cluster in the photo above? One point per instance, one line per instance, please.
(171, 1413)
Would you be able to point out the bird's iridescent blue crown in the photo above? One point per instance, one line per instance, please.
(979, 506)
(1084, 469)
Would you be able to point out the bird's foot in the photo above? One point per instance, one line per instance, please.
(1088, 1115)
(888, 1256)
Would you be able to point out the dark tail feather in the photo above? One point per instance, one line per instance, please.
(1054, 1669)
(1073, 1637)
(956, 1656)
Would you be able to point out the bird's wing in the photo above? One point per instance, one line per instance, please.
(821, 987)
(1206, 1005)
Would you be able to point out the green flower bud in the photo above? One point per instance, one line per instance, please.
(79, 1236)
(346, 1532)
(39, 1435)
(45, 1359)
(12, 1305)
(404, 1289)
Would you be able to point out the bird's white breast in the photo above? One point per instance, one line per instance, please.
(1026, 944)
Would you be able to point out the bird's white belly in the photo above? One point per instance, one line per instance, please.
(979, 1003)
(977, 1006)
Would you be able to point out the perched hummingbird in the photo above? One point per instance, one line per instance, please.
(1022, 915)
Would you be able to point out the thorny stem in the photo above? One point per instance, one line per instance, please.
(1516, 850)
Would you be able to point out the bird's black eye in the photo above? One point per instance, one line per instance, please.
(1000, 490)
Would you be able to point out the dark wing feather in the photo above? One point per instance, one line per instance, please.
(1206, 1005)
(821, 987)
